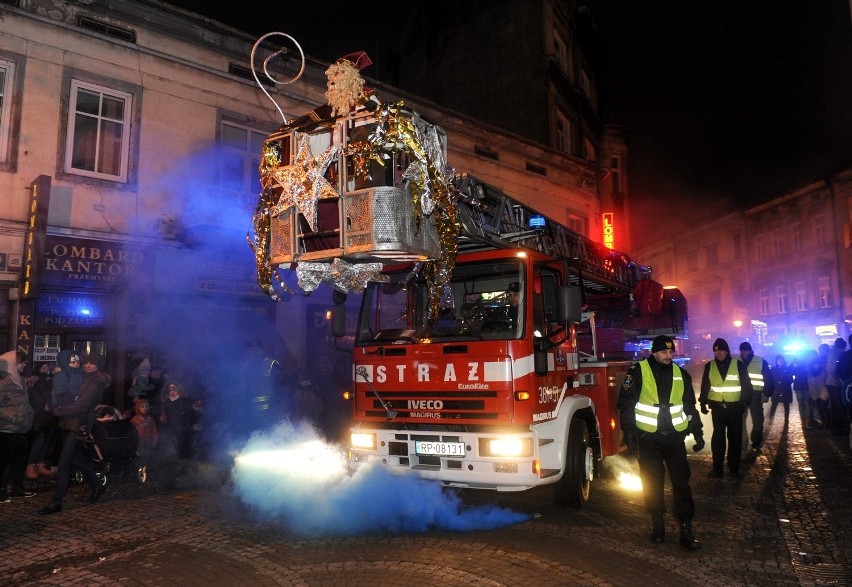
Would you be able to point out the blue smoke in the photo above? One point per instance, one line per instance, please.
(290, 475)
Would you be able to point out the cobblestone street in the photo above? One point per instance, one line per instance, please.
(787, 522)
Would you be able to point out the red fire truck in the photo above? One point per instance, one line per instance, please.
(503, 376)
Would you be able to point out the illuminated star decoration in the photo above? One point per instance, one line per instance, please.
(303, 182)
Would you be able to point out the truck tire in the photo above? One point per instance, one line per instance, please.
(572, 490)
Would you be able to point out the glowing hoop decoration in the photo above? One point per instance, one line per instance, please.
(281, 52)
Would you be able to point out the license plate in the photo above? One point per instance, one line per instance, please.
(441, 449)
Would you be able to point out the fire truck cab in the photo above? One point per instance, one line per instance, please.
(495, 391)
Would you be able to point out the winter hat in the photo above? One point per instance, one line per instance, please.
(721, 345)
(662, 343)
(745, 346)
(94, 359)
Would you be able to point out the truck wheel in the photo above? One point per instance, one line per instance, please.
(573, 488)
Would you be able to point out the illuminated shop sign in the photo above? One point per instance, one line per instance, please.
(826, 330)
(89, 263)
(608, 231)
(72, 310)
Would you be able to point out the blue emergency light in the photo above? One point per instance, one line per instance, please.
(537, 221)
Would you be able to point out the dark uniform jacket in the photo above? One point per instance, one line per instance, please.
(746, 389)
(663, 375)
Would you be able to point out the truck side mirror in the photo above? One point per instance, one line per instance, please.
(338, 314)
(570, 304)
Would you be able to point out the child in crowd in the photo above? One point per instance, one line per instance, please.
(146, 428)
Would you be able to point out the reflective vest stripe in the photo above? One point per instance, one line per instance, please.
(728, 389)
(647, 409)
(755, 372)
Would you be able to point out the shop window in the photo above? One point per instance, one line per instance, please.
(801, 296)
(763, 300)
(714, 302)
(562, 133)
(711, 255)
(98, 132)
(796, 230)
(240, 159)
(7, 76)
(824, 292)
(617, 179)
(781, 299)
(561, 53)
(760, 247)
(819, 229)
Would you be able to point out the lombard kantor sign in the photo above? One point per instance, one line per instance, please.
(88, 263)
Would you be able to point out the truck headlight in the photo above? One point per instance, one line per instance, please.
(363, 440)
(505, 447)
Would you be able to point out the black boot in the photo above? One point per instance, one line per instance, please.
(687, 538)
(658, 534)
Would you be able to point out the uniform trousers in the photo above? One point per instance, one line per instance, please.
(755, 410)
(658, 452)
(727, 434)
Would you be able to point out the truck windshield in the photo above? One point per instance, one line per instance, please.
(484, 301)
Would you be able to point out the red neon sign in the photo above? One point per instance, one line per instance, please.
(608, 231)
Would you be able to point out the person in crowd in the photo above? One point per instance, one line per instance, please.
(843, 371)
(726, 388)
(16, 418)
(782, 378)
(799, 371)
(146, 429)
(140, 379)
(80, 412)
(833, 384)
(657, 410)
(761, 382)
(176, 423)
(158, 379)
(17, 362)
(308, 404)
(816, 387)
(176, 432)
(44, 422)
(67, 378)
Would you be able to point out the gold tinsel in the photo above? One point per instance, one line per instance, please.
(397, 132)
(259, 242)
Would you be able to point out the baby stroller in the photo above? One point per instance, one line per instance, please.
(112, 445)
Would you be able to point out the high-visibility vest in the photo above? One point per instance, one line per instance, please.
(728, 389)
(755, 372)
(647, 409)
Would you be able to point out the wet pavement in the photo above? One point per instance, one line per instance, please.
(786, 522)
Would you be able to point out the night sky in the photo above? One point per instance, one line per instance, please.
(728, 103)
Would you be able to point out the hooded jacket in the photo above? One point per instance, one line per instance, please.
(16, 413)
(67, 382)
(82, 411)
(11, 368)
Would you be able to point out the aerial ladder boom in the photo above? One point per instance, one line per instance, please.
(490, 218)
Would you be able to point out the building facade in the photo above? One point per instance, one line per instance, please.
(775, 274)
(130, 137)
(537, 70)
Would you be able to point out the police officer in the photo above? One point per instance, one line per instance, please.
(726, 387)
(762, 382)
(657, 409)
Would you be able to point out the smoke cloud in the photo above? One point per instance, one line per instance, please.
(290, 475)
